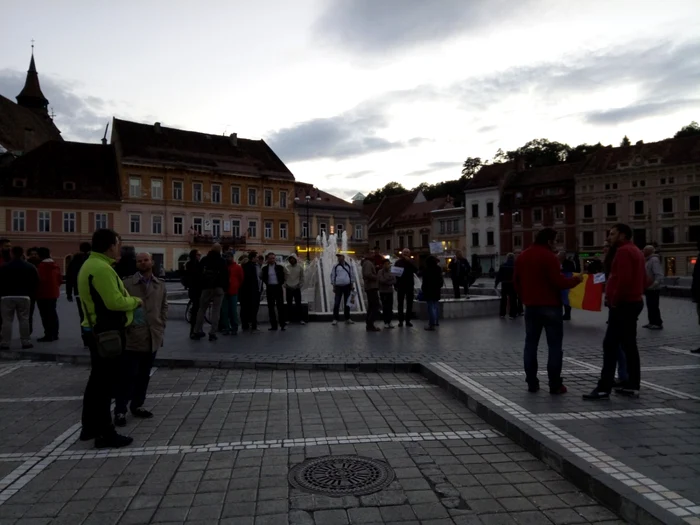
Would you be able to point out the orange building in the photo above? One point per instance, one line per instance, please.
(184, 189)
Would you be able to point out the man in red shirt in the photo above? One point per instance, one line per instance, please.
(49, 291)
(538, 281)
(624, 291)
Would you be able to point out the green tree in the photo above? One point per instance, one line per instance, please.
(582, 151)
(392, 188)
(471, 166)
(537, 152)
(688, 131)
(625, 142)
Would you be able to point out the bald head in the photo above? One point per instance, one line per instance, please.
(406, 252)
(144, 263)
(648, 250)
(216, 247)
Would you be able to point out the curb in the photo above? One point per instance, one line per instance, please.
(613, 494)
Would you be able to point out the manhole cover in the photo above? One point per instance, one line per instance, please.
(341, 476)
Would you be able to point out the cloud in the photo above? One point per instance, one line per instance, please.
(81, 118)
(433, 167)
(639, 111)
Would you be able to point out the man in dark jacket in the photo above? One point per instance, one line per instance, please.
(568, 268)
(249, 294)
(504, 277)
(214, 279)
(695, 289)
(18, 286)
(273, 276)
(459, 273)
(405, 286)
(72, 276)
(191, 280)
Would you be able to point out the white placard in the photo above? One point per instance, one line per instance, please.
(396, 270)
(435, 248)
(599, 278)
(207, 225)
(227, 226)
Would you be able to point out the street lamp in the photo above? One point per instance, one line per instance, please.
(307, 198)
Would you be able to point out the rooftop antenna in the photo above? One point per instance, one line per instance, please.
(32, 46)
(53, 115)
(104, 139)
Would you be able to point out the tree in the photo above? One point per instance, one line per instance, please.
(392, 188)
(625, 142)
(471, 166)
(688, 131)
(582, 151)
(538, 152)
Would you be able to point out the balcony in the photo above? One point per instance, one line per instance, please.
(640, 217)
(611, 218)
(692, 214)
(667, 215)
(225, 240)
(588, 220)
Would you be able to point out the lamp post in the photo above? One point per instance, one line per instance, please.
(307, 198)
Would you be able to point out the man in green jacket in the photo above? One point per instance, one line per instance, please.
(107, 306)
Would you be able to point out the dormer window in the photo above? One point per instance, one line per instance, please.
(69, 186)
(19, 183)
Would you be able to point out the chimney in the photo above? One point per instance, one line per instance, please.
(234, 139)
(156, 127)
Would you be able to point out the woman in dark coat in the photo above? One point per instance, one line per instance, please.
(431, 287)
(191, 280)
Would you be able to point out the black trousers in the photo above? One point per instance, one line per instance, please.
(456, 287)
(194, 295)
(621, 333)
(96, 418)
(405, 295)
(132, 383)
(510, 298)
(294, 304)
(567, 311)
(387, 306)
(275, 305)
(653, 309)
(79, 304)
(372, 307)
(249, 311)
(49, 317)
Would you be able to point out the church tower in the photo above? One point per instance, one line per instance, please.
(31, 96)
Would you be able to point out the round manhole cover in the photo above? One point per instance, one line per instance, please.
(341, 476)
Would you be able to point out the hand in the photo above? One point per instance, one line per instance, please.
(578, 279)
(139, 301)
(69, 298)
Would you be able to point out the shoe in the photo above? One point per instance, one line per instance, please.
(561, 389)
(400, 324)
(566, 318)
(596, 394)
(87, 434)
(141, 413)
(655, 327)
(429, 328)
(388, 326)
(627, 392)
(113, 441)
(197, 336)
(619, 383)
(648, 325)
(119, 420)
(696, 351)
(302, 323)
(212, 337)
(334, 323)
(533, 388)
(254, 331)
(349, 321)
(24, 347)
(503, 317)
(409, 324)
(272, 329)
(512, 318)
(373, 329)
(283, 328)
(45, 339)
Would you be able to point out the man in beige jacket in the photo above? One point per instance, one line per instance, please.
(143, 339)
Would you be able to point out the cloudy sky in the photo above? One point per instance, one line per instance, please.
(353, 94)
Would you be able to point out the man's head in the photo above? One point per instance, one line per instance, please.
(271, 258)
(229, 257)
(510, 257)
(649, 250)
(261, 259)
(619, 233)
(561, 255)
(253, 256)
(243, 259)
(32, 253)
(406, 253)
(387, 264)
(292, 259)
(85, 247)
(17, 253)
(341, 257)
(195, 255)
(458, 254)
(144, 263)
(216, 247)
(376, 250)
(44, 253)
(106, 242)
(5, 247)
(546, 237)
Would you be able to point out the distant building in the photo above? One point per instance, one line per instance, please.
(447, 228)
(481, 199)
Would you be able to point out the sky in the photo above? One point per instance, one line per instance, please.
(353, 94)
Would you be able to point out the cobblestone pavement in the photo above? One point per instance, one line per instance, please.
(222, 442)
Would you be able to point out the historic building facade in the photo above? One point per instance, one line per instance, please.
(184, 190)
(655, 188)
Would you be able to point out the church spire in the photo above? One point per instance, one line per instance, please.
(31, 96)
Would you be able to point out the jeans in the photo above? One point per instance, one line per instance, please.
(49, 317)
(510, 298)
(653, 307)
(294, 304)
(134, 376)
(406, 295)
(387, 306)
(549, 318)
(216, 297)
(9, 306)
(275, 305)
(229, 313)
(96, 418)
(372, 307)
(621, 332)
(433, 312)
(342, 293)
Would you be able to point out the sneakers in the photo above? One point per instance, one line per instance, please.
(302, 323)
(141, 413)
(212, 337)
(596, 394)
(283, 328)
(655, 327)
(196, 336)
(628, 392)
(409, 324)
(387, 326)
(512, 318)
(646, 325)
(349, 321)
(335, 322)
(561, 389)
(47, 339)
(113, 440)
(119, 420)
(533, 388)
(87, 434)
(272, 329)
(254, 331)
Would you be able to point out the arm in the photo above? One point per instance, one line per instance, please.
(333, 275)
(556, 277)
(620, 276)
(498, 278)
(105, 284)
(367, 273)
(657, 271)
(164, 307)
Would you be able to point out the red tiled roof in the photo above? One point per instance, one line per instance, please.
(91, 168)
(301, 190)
(15, 121)
(420, 210)
(175, 147)
(490, 175)
(545, 175)
(391, 207)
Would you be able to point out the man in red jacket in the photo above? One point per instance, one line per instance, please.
(624, 291)
(229, 307)
(50, 279)
(538, 281)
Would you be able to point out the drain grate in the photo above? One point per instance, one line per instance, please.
(341, 476)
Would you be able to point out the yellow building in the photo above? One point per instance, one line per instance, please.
(184, 189)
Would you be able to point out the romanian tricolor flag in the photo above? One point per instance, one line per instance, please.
(589, 294)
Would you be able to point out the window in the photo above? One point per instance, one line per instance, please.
(268, 230)
(639, 207)
(388, 245)
(424, 239)
(694, 203)
(19, 221)
(283, 230)
(44, 221)
(359, 232)
(135, 187)
(607, 186)
(268, 198)
(410, 241)
(517, 217)
(235, 195)
(252, 197)
(135, 223)
(19, 183)
(559, 212)
(322, 228)
(197, 192)
(216, 193)
(517, 241)
(668, 236)
(304, 230)
(156, 189)
(198, 225)
(252, 228)
(667, 205)
(283, 199)
(69, 222)
(177, 225)
(236, 228)
(634, 183)
(588, 239)
(693, 233)
(611, 186)
(157, 224)
(100, 221)
(339, 230)
(216, 228)
(639, 237)
(177, 190)
(489, 209)
(611, 209)
(663, 181)
(475, 238)
(537, 215)
(489, 239)
(475, 211)
(401, 244)
(455, 226)
(642, 183)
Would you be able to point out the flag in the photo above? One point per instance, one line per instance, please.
(588, 295)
